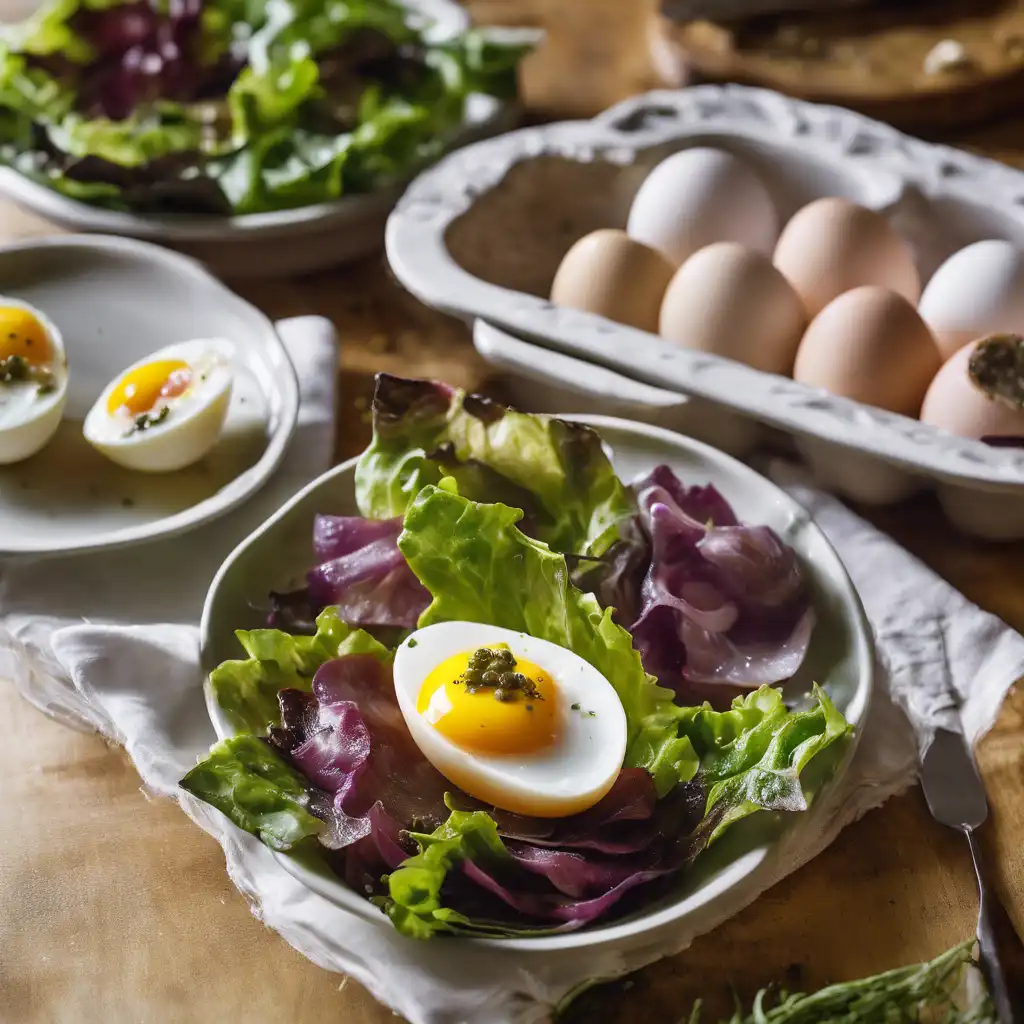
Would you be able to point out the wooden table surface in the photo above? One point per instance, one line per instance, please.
(116, 908)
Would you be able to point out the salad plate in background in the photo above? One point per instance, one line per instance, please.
(225, 129)
(462, 512)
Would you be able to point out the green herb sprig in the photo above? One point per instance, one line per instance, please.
(933, 992)
(145, 420)
(924, 993)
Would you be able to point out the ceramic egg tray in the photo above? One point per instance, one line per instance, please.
(481, 235)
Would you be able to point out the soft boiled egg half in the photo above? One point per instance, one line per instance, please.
(167, 410)
(512, 720)
(33, 380)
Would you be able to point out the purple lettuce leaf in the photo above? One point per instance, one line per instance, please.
(348, 738)
(575, 913)
(143, 53)
(361, 572)
(371, 785)
(723, 606)
(586, 875)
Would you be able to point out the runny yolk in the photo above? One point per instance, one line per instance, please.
(140, 389)
(478, 721)
(21, 334)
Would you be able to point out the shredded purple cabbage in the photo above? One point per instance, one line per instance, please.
(722, 603)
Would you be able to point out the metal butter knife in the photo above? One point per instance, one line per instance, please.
(956, 797)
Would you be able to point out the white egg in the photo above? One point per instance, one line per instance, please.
(165, 411)
(700, 196)
(548, 757)
(33, 379)
(978, 290)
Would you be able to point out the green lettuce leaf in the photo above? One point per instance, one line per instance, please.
(247, 689)
(280, 28)
(480, 568)
(752, 756)
(556, 471)
(414, 904)
(30, 91)
(482, 61)
(48, 30)
(258, 102)
(257, 789)
(133, 142)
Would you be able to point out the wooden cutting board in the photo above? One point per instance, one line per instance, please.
(924, 64)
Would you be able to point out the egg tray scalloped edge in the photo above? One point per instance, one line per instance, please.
(900, 172)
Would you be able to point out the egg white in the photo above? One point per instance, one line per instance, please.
(193, 424)
(27, 419)
(566, 778)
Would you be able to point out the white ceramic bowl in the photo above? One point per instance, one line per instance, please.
(539, 189)
(841, 658)
(116, 301)
(278, 243)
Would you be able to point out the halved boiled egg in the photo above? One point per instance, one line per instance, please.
(33, 380)
(167, 410)
(510, 719)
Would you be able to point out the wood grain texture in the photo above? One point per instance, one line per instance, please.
(115, 908)
(875, 59)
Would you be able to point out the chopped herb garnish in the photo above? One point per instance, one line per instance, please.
(495, 669)
(145, 420)
(412, 642)
(18, 370)
(575, 707)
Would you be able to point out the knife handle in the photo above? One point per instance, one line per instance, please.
(999, 945)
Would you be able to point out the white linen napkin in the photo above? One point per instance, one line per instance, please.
(148, 583)
(99, 676)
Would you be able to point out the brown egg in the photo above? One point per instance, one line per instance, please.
(832, 245)
(871, 345)
(731, 301)
(956, 404)
(608, 273)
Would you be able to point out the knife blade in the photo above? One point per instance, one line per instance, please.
(956, 797)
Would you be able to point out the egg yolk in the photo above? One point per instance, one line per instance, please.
(21, 334)
(480, 722)
(140, 389)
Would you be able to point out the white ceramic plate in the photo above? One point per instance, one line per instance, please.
(116, 301)
(544, 381)
(841, 658)
(278, 243)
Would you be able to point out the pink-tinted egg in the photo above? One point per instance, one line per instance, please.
(870, 344)
(611, 274)
(730, 300)
(954, 403)
(832, 246)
